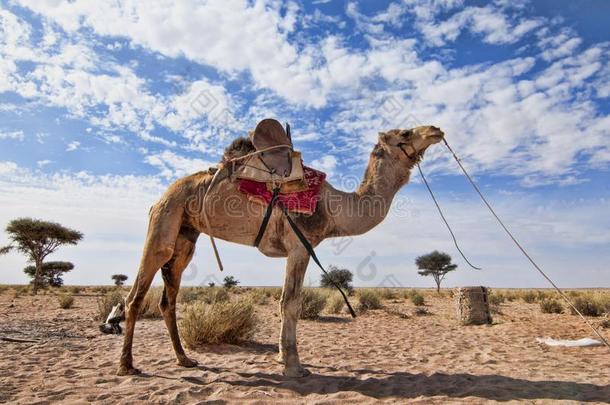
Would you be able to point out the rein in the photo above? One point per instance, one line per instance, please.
(438, 207)
(508, 232)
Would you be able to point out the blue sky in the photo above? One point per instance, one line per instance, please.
(103, 104)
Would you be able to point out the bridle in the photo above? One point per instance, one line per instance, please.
(402, 145)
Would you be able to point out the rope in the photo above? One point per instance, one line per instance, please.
(438, 207)
(522, 249)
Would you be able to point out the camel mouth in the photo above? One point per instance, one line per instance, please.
(435, 137)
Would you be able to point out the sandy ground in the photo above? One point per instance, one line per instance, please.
(378, 357)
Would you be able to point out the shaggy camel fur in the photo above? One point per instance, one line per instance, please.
(176, 221)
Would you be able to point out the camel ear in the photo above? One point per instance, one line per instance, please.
(384, 137)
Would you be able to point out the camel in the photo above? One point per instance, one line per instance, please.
(176, 221)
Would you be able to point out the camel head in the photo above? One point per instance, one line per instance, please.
(410, 143)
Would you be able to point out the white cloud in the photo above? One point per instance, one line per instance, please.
(72, 146)
(43, 163)
(205, 33)
(326, 163)
(492, 24)
(14, 135)
(171, 165)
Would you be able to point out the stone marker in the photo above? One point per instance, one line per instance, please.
(472, 305)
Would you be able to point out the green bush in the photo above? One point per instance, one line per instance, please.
(220, 322)
(368, 299)
(551, 306)
(312, 303)
(418, 300)
(65, 301)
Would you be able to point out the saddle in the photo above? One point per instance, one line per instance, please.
(276, 163)
(269, 133)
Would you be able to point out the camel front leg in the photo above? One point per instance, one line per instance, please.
(290, 306)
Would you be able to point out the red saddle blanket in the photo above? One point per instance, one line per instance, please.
(303, 202)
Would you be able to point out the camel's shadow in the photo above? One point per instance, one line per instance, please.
(406, 385)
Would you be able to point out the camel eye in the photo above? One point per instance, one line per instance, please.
(406, 134)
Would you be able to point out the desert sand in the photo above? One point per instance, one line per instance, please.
(377, 357)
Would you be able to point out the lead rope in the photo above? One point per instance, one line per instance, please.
(438, 207)
(521, 248)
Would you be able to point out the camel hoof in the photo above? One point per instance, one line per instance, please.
(124, 370)
(299, 371)
(186, 362)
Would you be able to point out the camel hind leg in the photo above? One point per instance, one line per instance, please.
(172, 273)
(163, 228)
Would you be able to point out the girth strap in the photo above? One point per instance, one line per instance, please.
(261, 231)
(311, 252)
(268, 212)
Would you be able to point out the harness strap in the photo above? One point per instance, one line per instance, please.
(312, 253)
(268, 212)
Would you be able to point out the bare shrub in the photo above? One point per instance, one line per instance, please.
(313, 302)
(65, 301)
(368, 299)
(220, 322)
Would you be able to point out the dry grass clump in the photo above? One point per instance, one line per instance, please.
(369, 299)
(388, 293)
(529, 296)
(186, 295)
(211, 295)
(272, 292)
(551, 306)
(208, 295)
(74, 289)
(3, 288)
(335, 303)
(107, 302)
(590, 305)
(150, 305)
(219, 322)
(258, 296)
(65, 301)
(418, 300)
(313, 302)
(421, 311)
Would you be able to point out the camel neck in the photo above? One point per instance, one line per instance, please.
(362, 210)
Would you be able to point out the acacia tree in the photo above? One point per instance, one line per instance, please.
(37, 239)
(52, 272)
(119, 279)
(436, 264)
(230, 282)
(342, 277)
